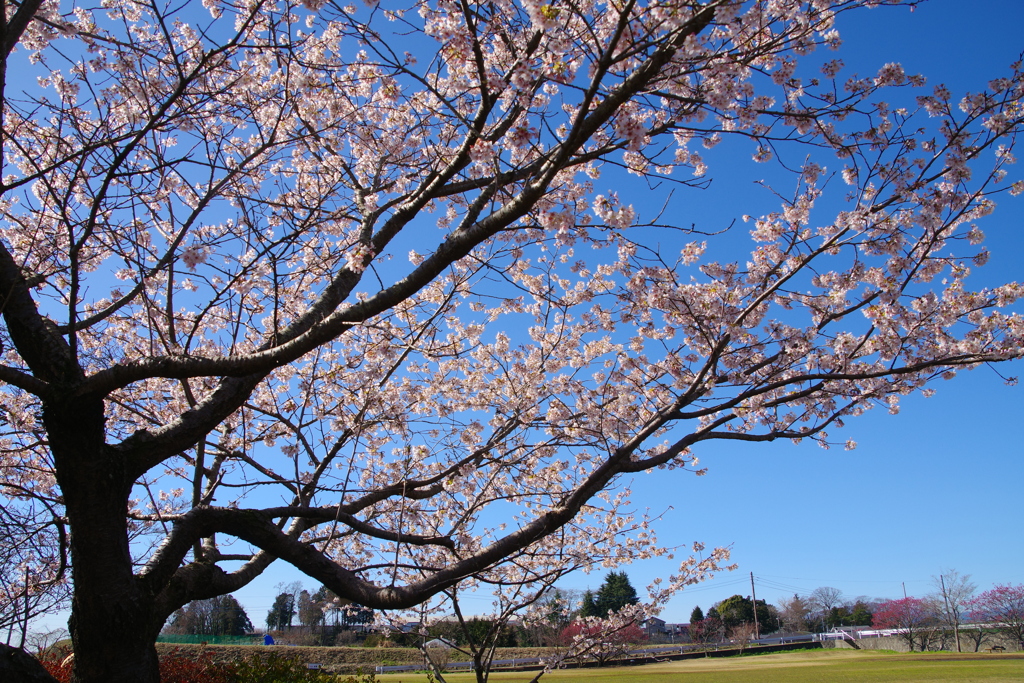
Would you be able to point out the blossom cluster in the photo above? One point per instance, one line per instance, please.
(202, 215)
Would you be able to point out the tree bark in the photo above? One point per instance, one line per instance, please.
(17, 666)
(111, 621)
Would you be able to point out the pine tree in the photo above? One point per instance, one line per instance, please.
(588, 607)
(615, 593)
(697, 615)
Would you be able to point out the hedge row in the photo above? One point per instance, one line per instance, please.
(201, 666)
(346, 660)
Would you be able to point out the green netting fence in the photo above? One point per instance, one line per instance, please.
(210, 640)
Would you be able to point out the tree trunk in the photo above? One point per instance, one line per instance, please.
(18, 667)
(111, 625)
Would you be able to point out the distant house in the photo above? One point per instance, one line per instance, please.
(667, 633)
(653, 626)
(677, 629)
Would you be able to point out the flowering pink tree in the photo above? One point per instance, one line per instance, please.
(707, 631)
(914, 618)
(602, 639)
(346, 287)
(1003, 609)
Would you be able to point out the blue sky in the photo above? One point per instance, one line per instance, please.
(933, 488)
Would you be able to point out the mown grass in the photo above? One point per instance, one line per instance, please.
(831, 666)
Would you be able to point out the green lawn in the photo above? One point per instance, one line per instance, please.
(825, 666)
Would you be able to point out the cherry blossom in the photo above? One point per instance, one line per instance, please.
(359, 288)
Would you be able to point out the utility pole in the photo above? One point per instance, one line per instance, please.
(757, 629)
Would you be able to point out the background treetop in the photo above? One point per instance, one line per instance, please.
(615, 593)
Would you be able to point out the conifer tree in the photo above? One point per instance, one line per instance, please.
(615, 593)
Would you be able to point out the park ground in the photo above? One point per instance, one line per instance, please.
(817, 666)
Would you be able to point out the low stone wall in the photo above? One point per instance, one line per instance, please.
(885, 643)
(942, 642)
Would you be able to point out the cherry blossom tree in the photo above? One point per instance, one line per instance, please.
(1002, 608)
(519, 589)
(707, 631)
(914, 619)
(352, 288)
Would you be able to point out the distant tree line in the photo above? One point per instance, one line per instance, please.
(561, 610)
(954, 616)
(734, 618)
(823, 609)
(220, 616)
(322, 617)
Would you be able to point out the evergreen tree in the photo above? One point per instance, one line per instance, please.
(229, 618)
(739, 610)
(311, 609)
(615, 593)
(736, 610)
(588, 607)
(220, 616)
(697, 615)
(281, 612)
(861, 615)
(839, 616)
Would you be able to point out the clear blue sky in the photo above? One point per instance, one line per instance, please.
(936, 487)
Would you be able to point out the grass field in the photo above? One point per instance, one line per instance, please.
(822, 666)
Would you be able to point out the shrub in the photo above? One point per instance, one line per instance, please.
(346, 638)
(272, 668)
(176, 667)
(179, 667)
(55, 667)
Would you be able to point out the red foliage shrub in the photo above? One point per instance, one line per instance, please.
(178, 667)
(615, 634)
(54, 667)
(174, 668)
